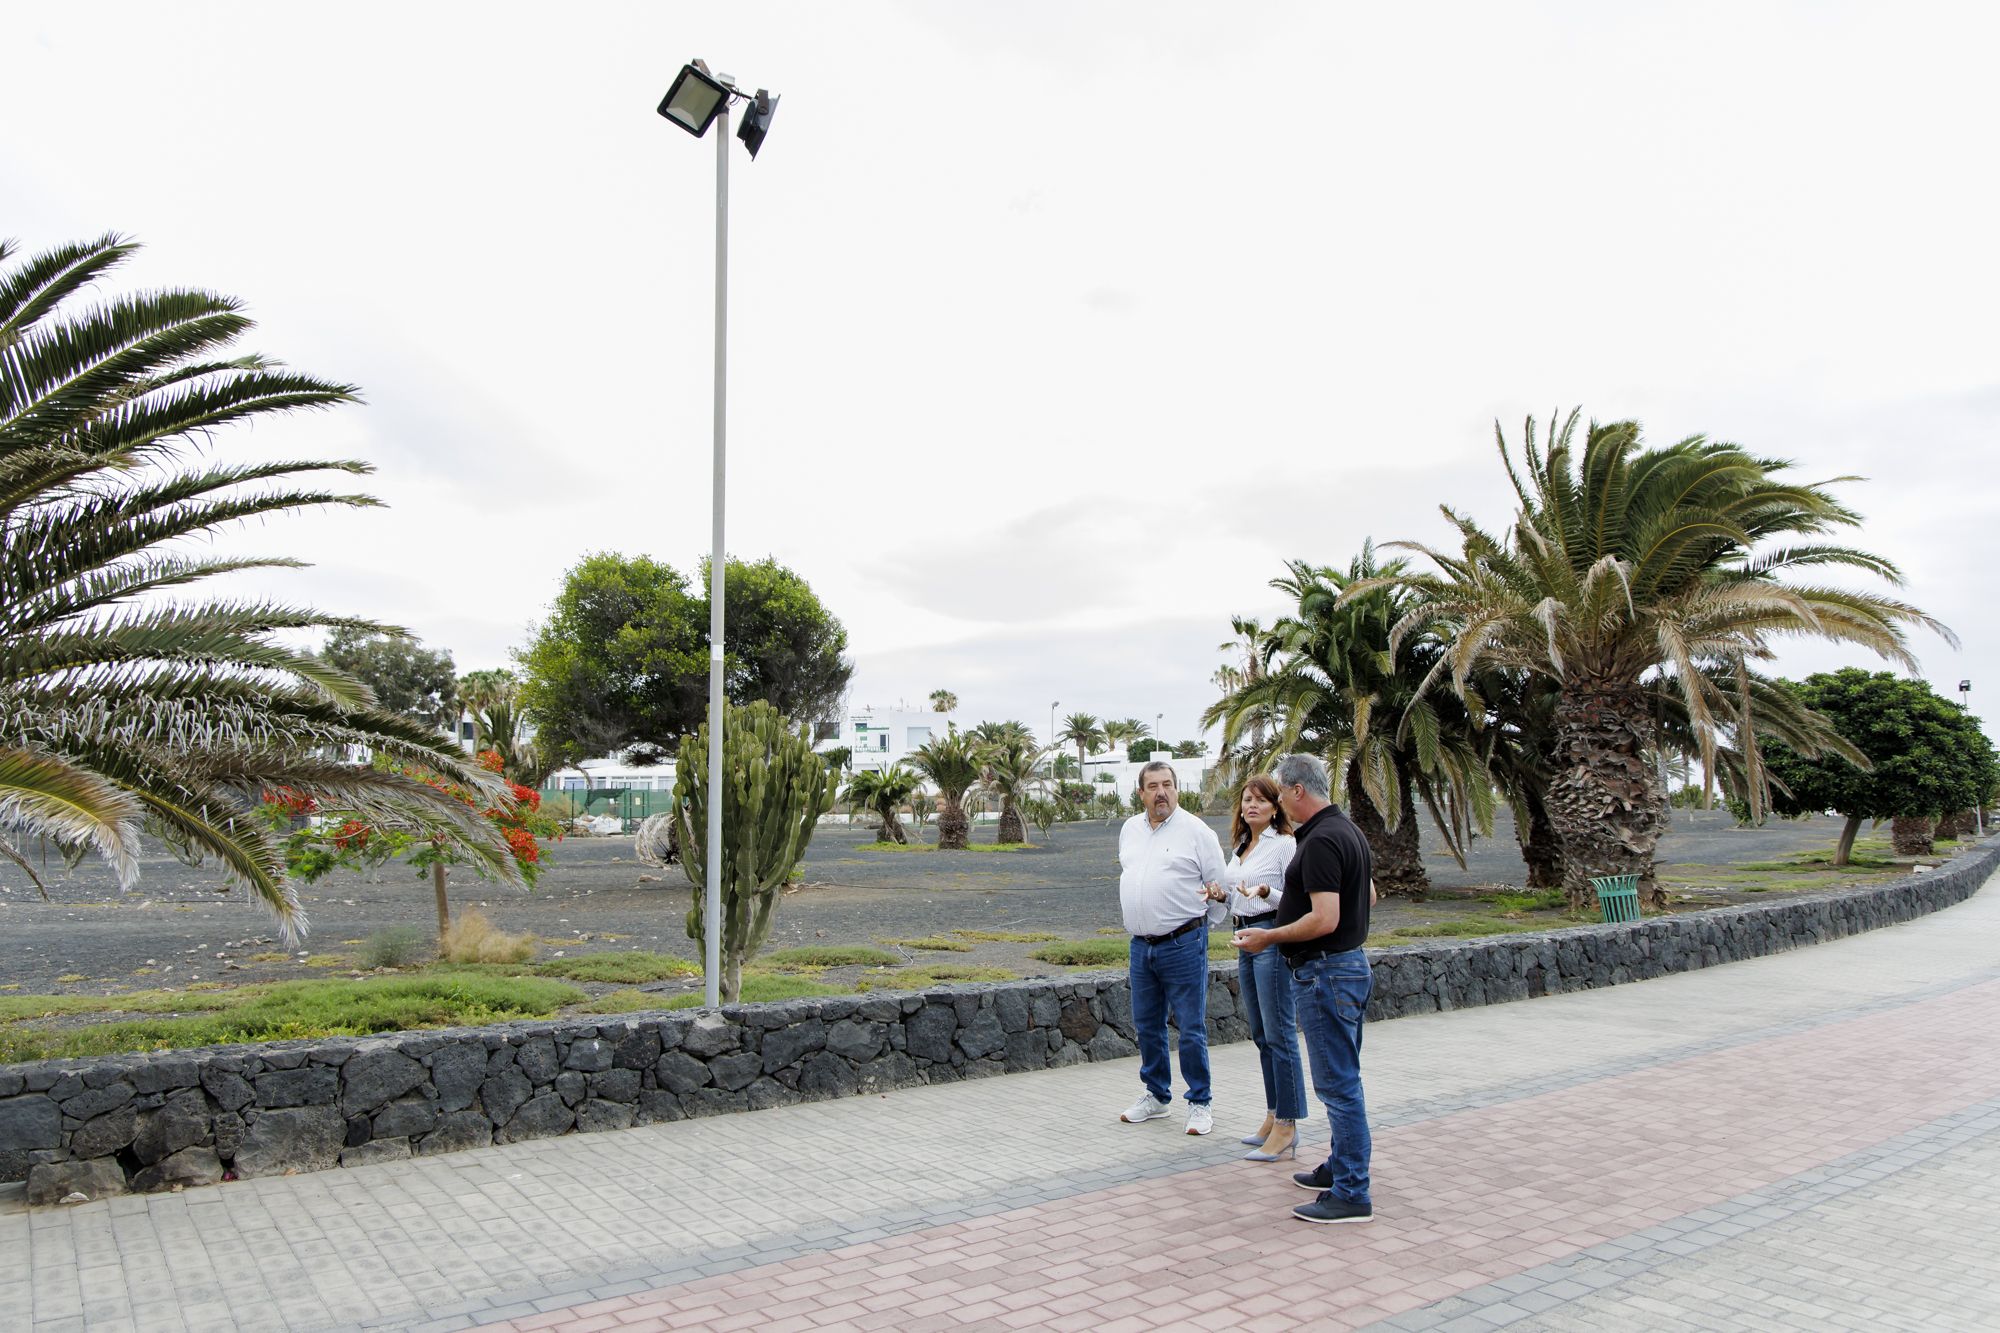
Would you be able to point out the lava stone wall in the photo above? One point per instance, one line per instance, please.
(172, 1119)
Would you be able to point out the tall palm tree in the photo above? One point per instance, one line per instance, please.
(1625, 566)
(1337, 685)
(123, 709)
(1082, 731)
(1011, 770)
(943, 701)
(951, 763)
(1249, 654)
(882, 792)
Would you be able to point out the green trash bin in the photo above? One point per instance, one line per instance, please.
(1617, 896)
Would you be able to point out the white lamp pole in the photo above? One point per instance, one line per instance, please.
(712, 877)
(696, 101)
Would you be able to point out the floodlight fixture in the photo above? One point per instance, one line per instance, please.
(695, 99)
(757, 121)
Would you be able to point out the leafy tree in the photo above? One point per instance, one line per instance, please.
(351, 840)
(622, 661)
(1082, 731)
(405, 676)
(882, 792)
(781, 643)
(1627, 564)
(943, 701)
(1190, 749)
(1923, 755)
(122, 707)
(773, 793)
(951, 764)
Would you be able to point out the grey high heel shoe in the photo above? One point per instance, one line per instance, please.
(1290, 1150)
(1257, 1140)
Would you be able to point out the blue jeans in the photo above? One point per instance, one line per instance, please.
(1172, 978)
(1266, 986)
(1332, 995)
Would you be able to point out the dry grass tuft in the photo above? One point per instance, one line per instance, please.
(471, 938)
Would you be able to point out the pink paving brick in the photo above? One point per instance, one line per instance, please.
(1461, 1199)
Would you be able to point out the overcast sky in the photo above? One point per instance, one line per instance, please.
(1056, 328)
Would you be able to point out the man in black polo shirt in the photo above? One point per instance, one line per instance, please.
(1322, 921)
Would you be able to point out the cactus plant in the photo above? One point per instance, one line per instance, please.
(774, 789)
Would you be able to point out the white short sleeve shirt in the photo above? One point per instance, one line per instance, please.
(1164, 873)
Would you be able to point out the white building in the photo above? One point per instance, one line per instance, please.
(875, 738)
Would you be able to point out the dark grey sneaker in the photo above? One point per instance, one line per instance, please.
(1318, 1180)
(1328, 1210)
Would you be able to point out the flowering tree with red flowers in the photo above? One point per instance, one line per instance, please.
(322, 841)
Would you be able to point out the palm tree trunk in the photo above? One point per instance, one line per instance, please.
(1606, 801)
(892, 827)
(954, 829)
(1011, 827)
(1399, 862)
(1911, 835)
(1541, 847)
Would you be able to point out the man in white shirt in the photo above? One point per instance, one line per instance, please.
(1170, 866)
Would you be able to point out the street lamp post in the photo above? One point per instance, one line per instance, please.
(1965, 695)
(1052, 723)
(697, 100)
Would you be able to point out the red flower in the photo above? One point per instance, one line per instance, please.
(353, 834)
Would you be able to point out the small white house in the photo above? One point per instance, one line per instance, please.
(879, 737)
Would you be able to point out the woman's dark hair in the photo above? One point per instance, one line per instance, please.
(1266, 787)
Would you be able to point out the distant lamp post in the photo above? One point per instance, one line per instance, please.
(1965, 695)
(695, 101)
(1159, 738)
(1052, 723)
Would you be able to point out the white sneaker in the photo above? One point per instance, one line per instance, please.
(1144, 1109)
(1199, 1120)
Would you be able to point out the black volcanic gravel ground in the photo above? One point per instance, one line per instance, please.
(177, 922)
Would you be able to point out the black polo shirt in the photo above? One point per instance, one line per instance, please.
(1332, 857)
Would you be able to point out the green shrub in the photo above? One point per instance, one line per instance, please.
(624, 969)
(1465, 927)
(397, 946)
(1542, 900)
(1084, 953)
(832, 955)
(918, 978)
(760, 988)
(295, 1009)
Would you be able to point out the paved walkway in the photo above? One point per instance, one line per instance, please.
(1808, 1141)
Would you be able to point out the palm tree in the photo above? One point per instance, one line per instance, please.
(1011, 770)
(951, 763)
(1249, 653)
(943, 701)
(1338, 686)
(1629, 566)
(999, 733)
(122, 711)
(882, 792)
(1082, 731)
(1124, 731)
